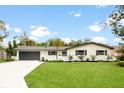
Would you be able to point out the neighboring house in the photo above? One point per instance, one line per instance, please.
(49, 52)
(115, 49)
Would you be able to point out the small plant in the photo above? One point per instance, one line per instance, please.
(43, 59)
(93, 57)
(109, 57)
(81, 57)
(9, 60)
(46, 60)
(87, 59)
(120, 64)
(70, 57)
(120, 57)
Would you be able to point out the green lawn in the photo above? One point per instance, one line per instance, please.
(76, 75)
(2, 61)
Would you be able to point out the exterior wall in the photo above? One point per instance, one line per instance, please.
(17, 56)
(91, 50)
(53, 57)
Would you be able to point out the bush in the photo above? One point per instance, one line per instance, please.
(55, 61)
(9, 59)
(120, 58)
(120, 64)
(43, 59)
(70, 57)
(81, 57)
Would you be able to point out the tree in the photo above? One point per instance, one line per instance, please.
(3, 33)
(57, 43)
(42, 44)
(81, 57)
(9, 50)
(25, 40)
(115, 23)
(15, 45)
(2, 51)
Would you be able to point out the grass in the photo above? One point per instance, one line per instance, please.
(2, 60)
(6, 60)
(77, 75)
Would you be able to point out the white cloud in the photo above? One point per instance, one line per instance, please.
(99, 40)
(76, 13)
(32, 27)
(96, 27)
(33, 38)
(67, 40)
(101, 6)
(8, 27)
(41, 31)
(17, 30)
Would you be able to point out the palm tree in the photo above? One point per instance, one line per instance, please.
(81, 57)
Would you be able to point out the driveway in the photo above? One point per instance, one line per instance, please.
(12, 73)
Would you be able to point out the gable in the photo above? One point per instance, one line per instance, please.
(90, 46)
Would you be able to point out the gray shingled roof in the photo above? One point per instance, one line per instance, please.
(38, 48)
(46, 48)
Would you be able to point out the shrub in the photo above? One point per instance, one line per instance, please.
(70, 57)
(43, 59)
(46, 60)
(121, 64)
(55, 61)
(109, 57)
(87, 59)
(9, 59)
(120, 58)
(81, 57)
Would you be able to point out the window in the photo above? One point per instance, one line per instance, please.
(101, 52)
(81, 52)
(64, 53)
(52, 52)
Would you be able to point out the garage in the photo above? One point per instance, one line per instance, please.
(29, 55)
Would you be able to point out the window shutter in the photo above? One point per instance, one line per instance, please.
(96, 52)
(85, 52)
(76, 52)
(105, 52)
(48, 52)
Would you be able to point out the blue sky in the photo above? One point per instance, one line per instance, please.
(66, 22)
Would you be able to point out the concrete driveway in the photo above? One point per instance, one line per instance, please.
(12, 73)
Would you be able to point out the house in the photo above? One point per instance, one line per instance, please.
(101, 52)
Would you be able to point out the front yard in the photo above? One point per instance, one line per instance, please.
(6, 60)
(77, 75)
